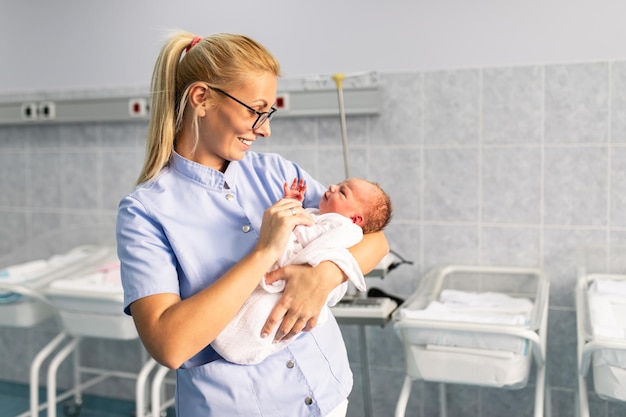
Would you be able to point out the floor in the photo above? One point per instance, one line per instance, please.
(14, 400)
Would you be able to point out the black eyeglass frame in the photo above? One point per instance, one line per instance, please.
(262, 116)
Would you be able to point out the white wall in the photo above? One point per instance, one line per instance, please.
(75, 44)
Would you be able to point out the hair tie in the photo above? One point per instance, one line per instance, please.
(193, 43)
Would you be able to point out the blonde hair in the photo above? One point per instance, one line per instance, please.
(221, 60)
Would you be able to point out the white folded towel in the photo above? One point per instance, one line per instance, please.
(487, 307)
(604, 296)
(609, 287)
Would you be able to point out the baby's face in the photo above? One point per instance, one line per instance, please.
(345, 198)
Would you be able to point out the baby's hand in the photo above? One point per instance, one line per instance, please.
(296, 191)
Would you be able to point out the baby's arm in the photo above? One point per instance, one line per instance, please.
(296, 191)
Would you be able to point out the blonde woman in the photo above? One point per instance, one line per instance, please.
(203, 225)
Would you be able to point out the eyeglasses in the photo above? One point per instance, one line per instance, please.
(262, 116)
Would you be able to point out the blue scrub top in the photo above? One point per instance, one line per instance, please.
(180, 232)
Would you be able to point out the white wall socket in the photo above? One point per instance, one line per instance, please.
(29, 111)
(46, 110)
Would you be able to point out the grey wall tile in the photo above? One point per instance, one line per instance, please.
(124, 135)
(576, 186)
(450, 244)
(43, 136)
(79, 135)
(14, 230)
(46, 179)
(296, 131)
(514, 246)
(81, 180)
(576, 104)
(331, 165)
(40, 223)
(306, 156)
(561, 261)
(451, 107)
(512, 105)
(618, 102)
(119, 173)
(13, 137)
(400, 120)
(13, 179)
(618, 187)
(451, 184)
(398, 170)
(330, 132)
(511, 185)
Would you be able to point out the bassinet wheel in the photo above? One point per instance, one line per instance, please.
(71, 408)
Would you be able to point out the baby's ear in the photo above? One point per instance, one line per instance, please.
(357, 219)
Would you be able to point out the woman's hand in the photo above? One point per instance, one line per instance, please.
(278, 222)
(305, 294)
(307, 288)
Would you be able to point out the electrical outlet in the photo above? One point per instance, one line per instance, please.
(138, 107)
(46, 110)
(29, 111)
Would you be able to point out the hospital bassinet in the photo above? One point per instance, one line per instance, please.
(476, 325)
(29, 268)
(601, 331)
(72, 274)
(90, 304)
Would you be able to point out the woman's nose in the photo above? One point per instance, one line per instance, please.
(264, 130)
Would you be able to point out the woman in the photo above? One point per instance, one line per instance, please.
(207, 220)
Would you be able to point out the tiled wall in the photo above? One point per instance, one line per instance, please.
(505, 166)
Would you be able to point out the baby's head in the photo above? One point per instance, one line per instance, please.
(365, 202)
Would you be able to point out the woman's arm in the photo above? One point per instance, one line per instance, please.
(307, 288)
(370, 251)
(173, 330)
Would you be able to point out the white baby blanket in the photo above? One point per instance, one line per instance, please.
(327, 240)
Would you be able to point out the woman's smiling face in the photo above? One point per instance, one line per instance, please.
(225, 130)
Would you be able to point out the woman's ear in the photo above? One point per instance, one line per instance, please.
(199, 93)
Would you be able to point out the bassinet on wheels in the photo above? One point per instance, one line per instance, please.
(601, 327)
(475, 325)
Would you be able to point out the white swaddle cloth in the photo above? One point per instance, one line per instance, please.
(326, 240)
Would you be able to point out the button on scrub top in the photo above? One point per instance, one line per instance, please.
(180, 232)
